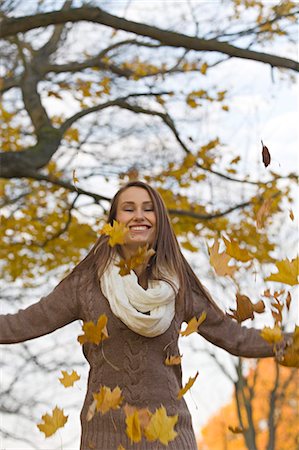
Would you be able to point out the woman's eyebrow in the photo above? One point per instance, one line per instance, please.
(128, 202)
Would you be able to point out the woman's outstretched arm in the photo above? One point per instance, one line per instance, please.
(54, 311)
(223, 331)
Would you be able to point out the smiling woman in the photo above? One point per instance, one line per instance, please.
(138, 378)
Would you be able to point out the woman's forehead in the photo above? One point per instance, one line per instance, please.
(134, 194)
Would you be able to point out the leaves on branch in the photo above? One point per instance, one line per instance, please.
(193, 324)
(94, 333)
(266, 155)
(68, 380)
(116, 232)
(245, 308)
(187, 386)
(52, 422)
(287, 272)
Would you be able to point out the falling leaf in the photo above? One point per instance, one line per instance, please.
(94, 333)
(117, 233)
(187, 386)
(266, 155)
(173, 360)
(220, 261)
(75, 179)
(291, 354)
(120, 447)
(69, 380)
(193, 324)
(161, 427)
(233, 249)
(291, 215)
(142, 255)
(236, 430)
(91, 410)
(245, 308)
(144, 414)
(272, 335)
(107, 399)
(52, 423)
(288, 300)
(263, 213)
(133, 429)
(287, 272)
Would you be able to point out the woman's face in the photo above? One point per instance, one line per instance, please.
(136, 210)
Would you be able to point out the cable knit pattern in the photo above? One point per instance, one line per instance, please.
(134, 363)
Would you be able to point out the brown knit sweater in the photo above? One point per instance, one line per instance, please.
(143, 377)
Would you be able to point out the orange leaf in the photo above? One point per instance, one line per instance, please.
(94, 333)
(144, 414)
(173, 360)
(69, 380)
(193, 324)
(187, 386)
(245, 308)
(52, 423)
(263, 213)
(236, 430)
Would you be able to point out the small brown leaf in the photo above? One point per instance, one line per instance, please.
(291, 215)
(288, 300)
(173, 360)
(245, 308)
(266, 155)
(236, 430)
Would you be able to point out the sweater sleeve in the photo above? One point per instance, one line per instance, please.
(54, 311)
(224, 332)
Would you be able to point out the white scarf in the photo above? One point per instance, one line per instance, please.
(129, 301)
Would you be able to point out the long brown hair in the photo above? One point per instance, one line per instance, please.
(168, 257)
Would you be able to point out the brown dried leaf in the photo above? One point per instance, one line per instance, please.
(245, 308)
(266, 155)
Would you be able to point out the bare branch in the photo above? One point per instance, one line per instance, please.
(11, 26)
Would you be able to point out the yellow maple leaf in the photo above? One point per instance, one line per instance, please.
(173, 360)
(133, 429)
(142, 255)
(144, 414)
(220, 261)
(107, 399)
(117, 233)
(193, 324)
(94, 333)
(161, 427)
(120, 447)
(52, 423)
(272, 335)
(287, 272)
(187, 386)
(68, 380)
(233, 249)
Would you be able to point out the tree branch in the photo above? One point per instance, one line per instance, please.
(11, 26)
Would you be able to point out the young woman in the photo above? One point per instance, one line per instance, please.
(145, 310)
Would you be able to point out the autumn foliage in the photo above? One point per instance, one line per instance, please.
(216, 435)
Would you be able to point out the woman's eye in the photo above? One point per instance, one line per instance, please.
(128, 209)
(149, 209)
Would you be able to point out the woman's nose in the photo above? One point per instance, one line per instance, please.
(139, 214)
